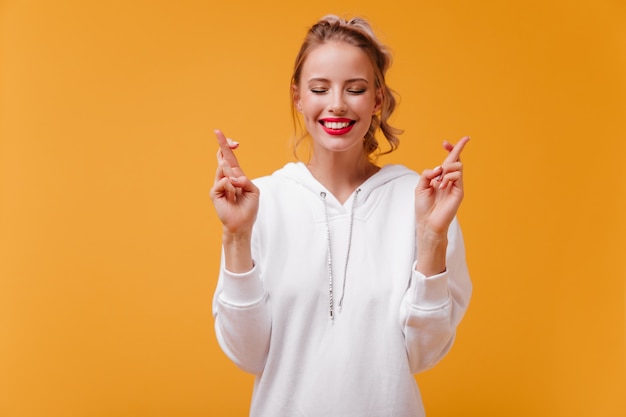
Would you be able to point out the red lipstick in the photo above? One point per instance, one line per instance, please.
(337, 126)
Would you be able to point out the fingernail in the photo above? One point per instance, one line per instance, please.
(232, 142)
(438, 168)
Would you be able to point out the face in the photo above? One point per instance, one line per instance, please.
(337, 96)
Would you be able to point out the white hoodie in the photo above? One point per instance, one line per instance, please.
(274, 320)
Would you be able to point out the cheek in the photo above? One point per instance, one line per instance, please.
(365, 106)
(311, 106)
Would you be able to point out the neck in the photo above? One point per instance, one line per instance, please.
(340, 173)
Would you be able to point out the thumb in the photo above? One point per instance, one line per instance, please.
(244, 183)
(427, 176)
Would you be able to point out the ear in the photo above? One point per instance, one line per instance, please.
(296, 97)
(378, 104)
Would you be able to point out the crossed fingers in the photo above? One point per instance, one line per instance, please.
(451, 169)
(229, 174)
(228, 166)
(455, 150)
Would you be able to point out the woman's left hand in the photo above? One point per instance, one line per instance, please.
(439, 192)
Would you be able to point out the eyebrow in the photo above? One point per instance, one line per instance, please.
(351, 80)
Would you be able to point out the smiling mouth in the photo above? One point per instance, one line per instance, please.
(337, 124)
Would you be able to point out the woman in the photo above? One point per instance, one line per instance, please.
(340, 279)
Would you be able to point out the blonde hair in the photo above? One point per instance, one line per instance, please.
(357, 32)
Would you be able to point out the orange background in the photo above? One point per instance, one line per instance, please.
(109, 245)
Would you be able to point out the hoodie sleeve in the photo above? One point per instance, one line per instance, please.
(433, 306)
(242, 316)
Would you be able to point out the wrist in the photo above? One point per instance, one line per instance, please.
(237, 251)
(236, 238)
(428, 235)
(431, 251)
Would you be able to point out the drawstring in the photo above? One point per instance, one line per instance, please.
(329, 259)
(345, 268)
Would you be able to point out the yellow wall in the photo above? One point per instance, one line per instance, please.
(109, 245)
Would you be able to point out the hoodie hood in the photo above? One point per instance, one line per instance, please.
(299, 173)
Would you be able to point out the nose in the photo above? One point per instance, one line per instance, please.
(337, 103)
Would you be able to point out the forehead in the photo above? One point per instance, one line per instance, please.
(337, 60)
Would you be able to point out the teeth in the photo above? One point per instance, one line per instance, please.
(336, 125)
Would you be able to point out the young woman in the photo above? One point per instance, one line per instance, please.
(340, 279)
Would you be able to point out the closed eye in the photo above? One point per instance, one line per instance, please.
(318, 90)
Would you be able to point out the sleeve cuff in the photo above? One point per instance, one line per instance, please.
(242, 289)
(429, 292)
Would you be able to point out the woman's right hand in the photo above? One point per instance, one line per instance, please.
(234, 196)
